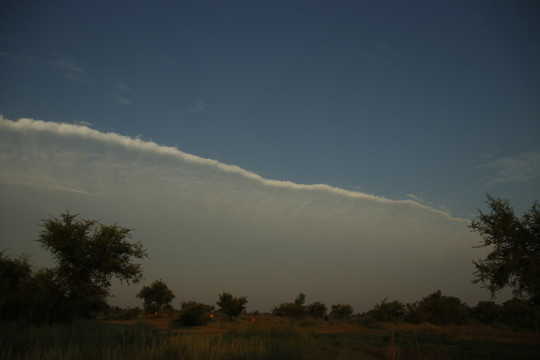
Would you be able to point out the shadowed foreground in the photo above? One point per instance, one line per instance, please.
(267, 337)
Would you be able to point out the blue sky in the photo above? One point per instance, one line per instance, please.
(435, 102)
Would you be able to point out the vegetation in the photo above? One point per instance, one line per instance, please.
(230, 305)
(515, 257)
(194, 313)
(156, 296)
(88, 255)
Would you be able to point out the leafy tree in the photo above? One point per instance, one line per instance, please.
(295, 309)
(341, 311)
(515, 257)
(88, 255)
(231, 306)
(487, 312)
(15, 275)
(194, 313)
(317, 310)
(156, 296)
(388, 311)
(439, 309)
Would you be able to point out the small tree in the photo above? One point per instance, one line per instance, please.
(156, 296)
(439, 309)
(341, 311)
(317, 310)
(515, 258)
(388, 311)
(231, 306)
(295, 310)
(88, 255)
(193, 313)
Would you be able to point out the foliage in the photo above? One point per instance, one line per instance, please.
(156, 296)
(295, 310)
(487, 312)
(515, 257)
(194, 313)
(230, 305)
(88, 255)
(439, 309)
(341, 311)
(15, 274)
(388, 311)
(317, 310)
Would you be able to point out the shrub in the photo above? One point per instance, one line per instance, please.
(487, 312)
(317, 310)
(194, 313)
(439, 309)
(231, 306)
(388, 311)
(341, 311)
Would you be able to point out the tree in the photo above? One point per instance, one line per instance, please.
(194, 313)
(156, 296)
(388, 311)
(317, 310)
(515, 257)
(439, 309)
(15, 275)
(295, 309)
(341, 311)
(88, 255)
(231, 306)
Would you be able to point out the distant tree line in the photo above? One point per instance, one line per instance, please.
(89, 254)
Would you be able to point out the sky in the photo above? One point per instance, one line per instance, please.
(267, 148)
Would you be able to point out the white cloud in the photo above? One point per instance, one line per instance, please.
(520, 168)
(211, 227)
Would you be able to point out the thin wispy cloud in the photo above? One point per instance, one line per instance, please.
(519, 168)
(211, 226)
(122, 92)
(71, 70)
(67, 66)
(199, 106)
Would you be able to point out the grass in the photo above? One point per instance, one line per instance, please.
(267, 338)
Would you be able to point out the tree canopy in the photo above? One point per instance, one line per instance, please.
(515, 242)
(88, 255)
(156, 296)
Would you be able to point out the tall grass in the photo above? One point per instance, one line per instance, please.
(95, 340)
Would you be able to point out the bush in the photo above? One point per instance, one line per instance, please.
(388, 311)
(341, 311)
(487, 312)
(317, 310)
(291, 310)
(439, 310)
(231, 306)
(194, 313)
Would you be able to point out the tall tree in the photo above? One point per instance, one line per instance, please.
(155, 296)
(88, 255)
(515, 257)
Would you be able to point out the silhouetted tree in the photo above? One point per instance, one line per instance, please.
(388, 311)
(88, 255)
(193, 313)
(439, 309)
(317, 310)
(295, 309)
(341, 311)
(515, 257)
(230, 305)
(156, 296)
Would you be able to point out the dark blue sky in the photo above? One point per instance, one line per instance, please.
(398, 99)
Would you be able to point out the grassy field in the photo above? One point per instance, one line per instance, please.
(267, 337)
